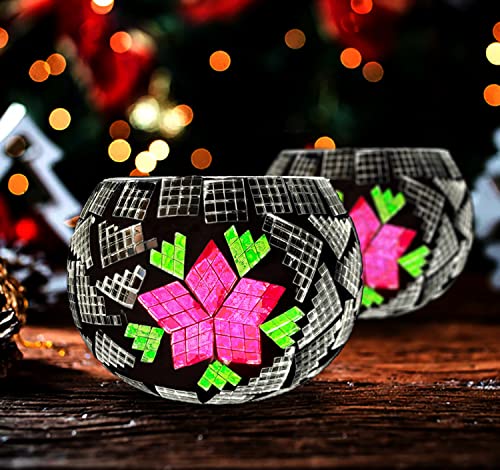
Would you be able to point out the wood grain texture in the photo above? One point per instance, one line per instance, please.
(417, 390)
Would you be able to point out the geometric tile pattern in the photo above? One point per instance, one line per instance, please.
(171, 258)
(134, 200)
(179, 196)
(117, 245)
(386, 204)
(455, 191)
(446, 246)
(80, 242)
(337, 165)
(110, 353)
(336, 232)
(305, 196)
(348, 271)
(246, 253)
(304, 164)
(371, 296)
(371, 167)
(415, 261)
(72, 299)
(177, 395)
(281, 164)
(218, 375)
(146, 339)
(281, 328)
(123, 288)
(331, 196)
(224, 200)
(302, 250)
(270, 195)
(99, 199)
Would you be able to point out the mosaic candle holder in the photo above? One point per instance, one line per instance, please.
(413, 214)
(215, 289)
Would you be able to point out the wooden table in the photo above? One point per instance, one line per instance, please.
(417, 390)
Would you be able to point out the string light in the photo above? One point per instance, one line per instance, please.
(18, 184)
(101, 7)
(492, 95)
(119, 150)
(295, 38)
(496, 31)
(57, 64)
(201, 158)
(186, 112)
(350, 58)
(59, 119)
(160, 149)
(362, 7)
(39, 71)
(373, 72)
(325, 143)
(145, 162)
(493, 53)
(120, 42)
(4, 38)
(119, 129)
(220, 61)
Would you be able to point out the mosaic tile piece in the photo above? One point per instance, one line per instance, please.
(371, 297)
(336, 232)
(146, 339)
(123, 288)
(118, 244)
(415, 261)
(171, 257)
(80, 242)
(218, 375)
(331, 197)
(134, 200)
(366, 222)
(371, 166)
(136, 383)
(110, 353)
(387, 204)
(270, 195)
(179, 197)
(224, 200)
(304, 164)
(281, 328)
(305, 196)
(246, 253)
(348, 271)
(100, 198)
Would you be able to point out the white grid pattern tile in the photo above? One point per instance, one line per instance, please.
(110, 353)
(305, 196)
(269, 194)
(224, 200)
(123, 289)
(134, 200)
(180, 197)
(335, 231)
(80, 241)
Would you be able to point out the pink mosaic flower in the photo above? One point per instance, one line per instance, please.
(381, 246)
(219, 320)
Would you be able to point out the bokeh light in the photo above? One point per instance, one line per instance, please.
(4, 38)
(26, 229)
(120, 42)
(39, 71)
(160, 149)
(496, 31)
(119, 150)
(362, 7)
(145, 114)
(119, 129)
(373, 72)
(59, 119)
(101, 7)
(18, 184)
(295, 39)
(136, 172)
(492, 95)
(325, 142)
(493, 53)
(186, 112)
(145, 162)
(201, 158)
(172, 122)
(350, 58)
(57, 64)
(220, 61)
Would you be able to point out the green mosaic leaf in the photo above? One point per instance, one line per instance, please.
(340, 194)
(414, 261)
(172, 256)
(281, 328)
(246, 253)
(218, 375)
(370, 297)
(131, 331)
(386, 204)
(146, 339)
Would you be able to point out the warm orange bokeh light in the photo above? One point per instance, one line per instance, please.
(350, 58)
(362, 7)
(220, 61)
(186, 112)
(57, 64)
(496, 31)
(201, 159)
(136, 172)
(119, 129)
(39, 71)
(101, 7)
(18, 184)
(295, 39)
(59, 119)
(4, 38)
(119, 150)
(324, 143)
(120, 42)
(373, 72)
(493, 53)
(492, 95)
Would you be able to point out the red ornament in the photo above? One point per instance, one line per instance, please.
(203, 11)
(372, 33)
(26, 230)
